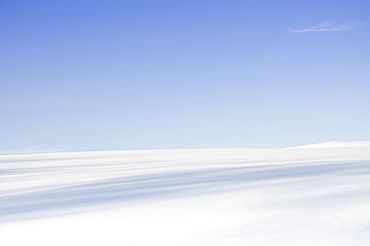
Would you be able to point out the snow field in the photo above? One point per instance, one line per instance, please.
(187, 197)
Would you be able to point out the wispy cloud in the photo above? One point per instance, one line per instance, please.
(332, 26)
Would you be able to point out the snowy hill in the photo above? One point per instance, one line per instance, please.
(338, 144)
(223, 197)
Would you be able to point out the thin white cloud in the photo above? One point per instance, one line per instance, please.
(331, 26)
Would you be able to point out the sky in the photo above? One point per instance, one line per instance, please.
(119, 75)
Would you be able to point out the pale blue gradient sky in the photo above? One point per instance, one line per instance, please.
(103, 75)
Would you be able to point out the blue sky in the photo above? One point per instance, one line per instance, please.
(109, 75)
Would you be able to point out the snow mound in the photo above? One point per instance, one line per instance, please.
(338, 144)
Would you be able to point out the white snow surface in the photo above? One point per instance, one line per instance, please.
(338, 144)
(318, 196)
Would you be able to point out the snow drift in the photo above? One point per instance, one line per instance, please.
(338, 144)
(298, 196)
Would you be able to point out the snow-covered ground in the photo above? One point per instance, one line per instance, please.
(338, 144)
(296, 196)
